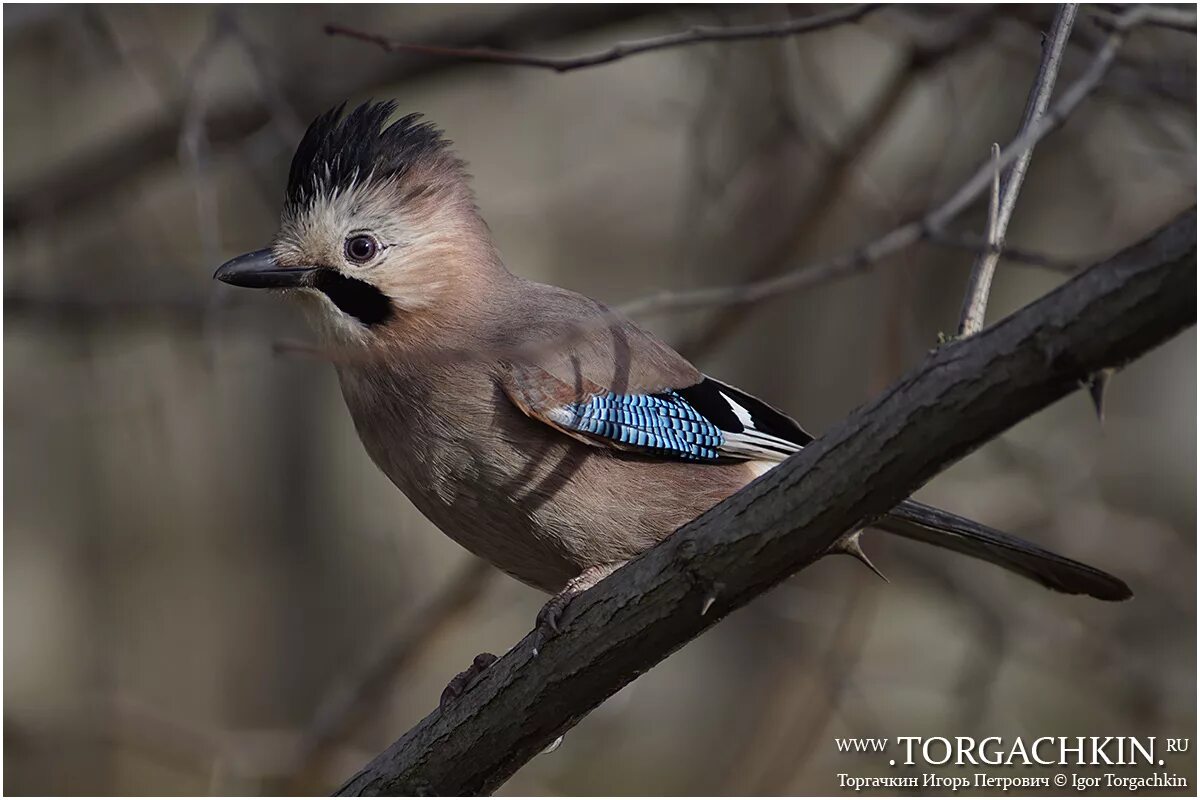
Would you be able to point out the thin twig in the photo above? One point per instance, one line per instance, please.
(897, 239)
(960, 397)
(693, 35)
(979, 283)
(978, 245)
(1159, 16)
(195, 149)
(1004, 201)
(940, 43)
(1135, 77)
(288, 124)
(353, 700)
(578, 332)
(797, 700)
(193, 144)
(94, 174)
(131, 724)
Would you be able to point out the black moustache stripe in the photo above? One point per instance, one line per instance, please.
(357, 298)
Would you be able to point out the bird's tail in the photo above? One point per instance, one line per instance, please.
(943, 529)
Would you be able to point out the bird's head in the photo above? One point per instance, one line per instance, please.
(379, 226)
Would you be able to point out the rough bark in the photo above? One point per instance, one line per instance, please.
(962, 395)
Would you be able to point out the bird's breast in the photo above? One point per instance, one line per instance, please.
(537, 504)
(448, 453)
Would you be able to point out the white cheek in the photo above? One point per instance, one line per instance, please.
(331, 323)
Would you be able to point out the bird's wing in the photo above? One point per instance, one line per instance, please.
(614, 385)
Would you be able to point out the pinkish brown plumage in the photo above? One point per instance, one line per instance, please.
(537, 428)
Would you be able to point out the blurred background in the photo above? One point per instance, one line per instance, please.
(208, 587)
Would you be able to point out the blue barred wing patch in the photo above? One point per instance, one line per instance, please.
(658, 423)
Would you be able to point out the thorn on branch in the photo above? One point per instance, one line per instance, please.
(1097, 385)
(710, 587)
(710, 597)
(1017, 152)
(928, 419)
(851, 545)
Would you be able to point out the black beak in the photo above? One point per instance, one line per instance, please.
(258, 270)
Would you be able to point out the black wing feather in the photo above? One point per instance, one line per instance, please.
(709, 398)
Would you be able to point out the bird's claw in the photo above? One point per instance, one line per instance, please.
(465, 679)
(551, 614)
(547, 626)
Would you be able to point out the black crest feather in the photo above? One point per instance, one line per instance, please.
(338, 150)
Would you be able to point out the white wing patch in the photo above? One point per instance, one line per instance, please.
(706, 422)
(752, 443)
(739, 411)
(757, 446)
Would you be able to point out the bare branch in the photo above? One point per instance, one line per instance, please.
(979, 285)
(693, 35)
(349, 703)
(928, 51)
(910, 233)
(1178, 19)
(979, 245)
(90, 176)
(961, 396)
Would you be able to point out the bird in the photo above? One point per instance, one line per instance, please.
(541, 430)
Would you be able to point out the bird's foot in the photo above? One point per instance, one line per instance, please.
(550, 615)
(465, 679)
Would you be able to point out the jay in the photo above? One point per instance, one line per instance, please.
(537, 428)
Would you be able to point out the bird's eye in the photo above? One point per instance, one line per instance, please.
(361, 248)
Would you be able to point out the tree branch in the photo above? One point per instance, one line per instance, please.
(938, 44)
(693, 35)
(91, 175)
(979, 285)
(1178, 19)
(353, 700)
(930, 225)
(978, 245)
(962, 395)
